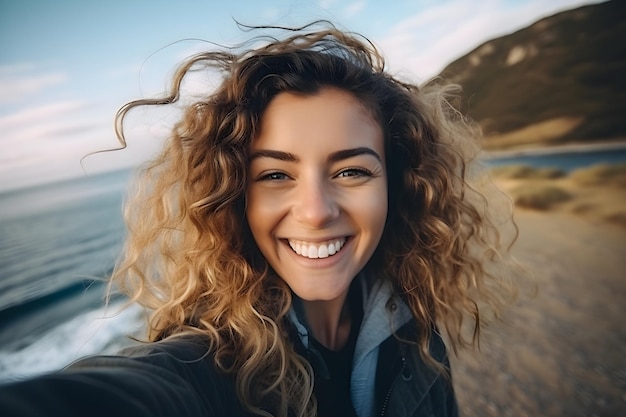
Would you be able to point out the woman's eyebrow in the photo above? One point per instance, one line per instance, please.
(349, 153)
(333, 157)
(268, 153)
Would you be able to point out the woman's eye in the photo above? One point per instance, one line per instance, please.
(274, 176)
(354, 172)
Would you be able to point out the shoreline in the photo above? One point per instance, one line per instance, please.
(572, 148)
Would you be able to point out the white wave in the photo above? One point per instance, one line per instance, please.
(100, 331)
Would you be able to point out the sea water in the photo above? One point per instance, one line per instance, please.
(58, 243)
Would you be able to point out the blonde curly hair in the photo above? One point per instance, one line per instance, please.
(190, 259)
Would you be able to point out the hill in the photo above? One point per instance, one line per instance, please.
(560, 80)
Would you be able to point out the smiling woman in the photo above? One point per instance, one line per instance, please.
(318, 183)
(301, 243)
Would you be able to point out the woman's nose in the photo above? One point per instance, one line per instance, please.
(315, 206)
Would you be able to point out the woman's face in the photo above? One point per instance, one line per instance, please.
(317, 194)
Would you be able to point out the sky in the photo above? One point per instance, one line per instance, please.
(66, 66)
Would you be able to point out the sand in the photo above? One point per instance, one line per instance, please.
(561, 352)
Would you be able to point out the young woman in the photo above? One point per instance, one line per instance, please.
(300, 242)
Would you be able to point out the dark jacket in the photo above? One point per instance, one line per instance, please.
(177, 378)
(406, 386)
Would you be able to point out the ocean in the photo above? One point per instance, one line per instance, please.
(59, 242)
(565, 158)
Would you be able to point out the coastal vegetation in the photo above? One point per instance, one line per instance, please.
(557, 81)
(597, 192)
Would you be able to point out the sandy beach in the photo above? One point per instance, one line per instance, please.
(561, 352)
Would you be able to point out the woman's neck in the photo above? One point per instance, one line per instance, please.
(329, 321)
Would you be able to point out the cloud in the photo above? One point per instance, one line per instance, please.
(423, 44)
(56, 132)
(354, 8)
(270, 14)
(327, 4)
(16, 83)
(48, 142)
(35, 115)
(11, 69)
(59, 131)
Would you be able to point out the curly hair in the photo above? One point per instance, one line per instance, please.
(190, 259)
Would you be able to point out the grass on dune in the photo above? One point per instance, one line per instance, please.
(597, 192)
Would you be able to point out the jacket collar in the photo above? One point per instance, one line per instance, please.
(383, 314)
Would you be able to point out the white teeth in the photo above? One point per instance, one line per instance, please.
(316, 251)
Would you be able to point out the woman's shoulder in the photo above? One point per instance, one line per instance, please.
(187, 360)
(174, 377)
(193, 348)
(182, 356)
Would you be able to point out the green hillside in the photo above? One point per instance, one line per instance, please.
(560, 80)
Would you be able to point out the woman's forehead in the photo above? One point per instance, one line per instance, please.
(331, 118)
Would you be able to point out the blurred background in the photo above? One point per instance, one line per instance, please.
(545, 80)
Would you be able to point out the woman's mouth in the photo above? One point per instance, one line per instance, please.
(316, 250)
